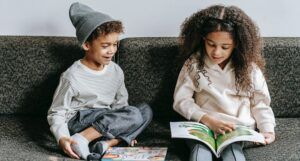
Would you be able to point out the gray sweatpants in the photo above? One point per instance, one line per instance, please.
(200, 152)
(125, 123)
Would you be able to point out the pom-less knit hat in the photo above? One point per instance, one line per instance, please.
(86, 20)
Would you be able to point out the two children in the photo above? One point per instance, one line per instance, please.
(90, 112)
(221, 83)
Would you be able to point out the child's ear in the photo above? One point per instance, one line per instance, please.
(85, 46)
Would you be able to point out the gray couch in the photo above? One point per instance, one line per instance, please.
(30, 68)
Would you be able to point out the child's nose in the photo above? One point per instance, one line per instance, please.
(111, 50)
(217, 51)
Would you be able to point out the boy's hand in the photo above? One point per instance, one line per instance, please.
(65, 143)
(133, 142)
(218, 126)
(269, 137)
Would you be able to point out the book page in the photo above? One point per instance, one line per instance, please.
(193, 130)
(241, 133)
(135, 154)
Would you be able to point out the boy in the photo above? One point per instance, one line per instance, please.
(90, 101)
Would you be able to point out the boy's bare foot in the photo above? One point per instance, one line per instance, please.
(133, 142)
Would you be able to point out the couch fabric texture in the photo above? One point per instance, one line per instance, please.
(29, 73)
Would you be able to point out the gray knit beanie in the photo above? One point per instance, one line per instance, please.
(86, 20)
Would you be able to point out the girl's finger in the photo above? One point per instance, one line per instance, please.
(215, 135)
(221, 131)
(269, 140)
(227, 129)
(230, 126)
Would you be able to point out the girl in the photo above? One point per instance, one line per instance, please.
(221, 83)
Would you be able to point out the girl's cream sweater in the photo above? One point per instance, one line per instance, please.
(213, 92)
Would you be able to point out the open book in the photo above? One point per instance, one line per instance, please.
(135, 154)
(200, 132)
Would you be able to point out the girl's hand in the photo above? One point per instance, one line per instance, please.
(133, 142)
(65, 144)
(218, 126)
(269, 137)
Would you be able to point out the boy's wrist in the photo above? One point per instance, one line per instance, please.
(62, 139)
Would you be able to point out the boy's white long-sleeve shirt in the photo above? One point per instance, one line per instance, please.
(196, 96)
(81, 88)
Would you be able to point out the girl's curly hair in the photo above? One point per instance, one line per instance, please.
(244, 33)
(106, 28)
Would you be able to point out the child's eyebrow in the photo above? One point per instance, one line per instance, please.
(217, 43)
(108, 43)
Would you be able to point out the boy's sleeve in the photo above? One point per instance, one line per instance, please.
(260, 103)
(121, 98)
(57, 112)
(184, 103)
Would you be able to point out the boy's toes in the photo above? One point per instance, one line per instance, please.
(94, 157)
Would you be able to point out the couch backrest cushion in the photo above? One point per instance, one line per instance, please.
(29, 71)
(148, 64)
(150, 73)
(283, 74)
(30, 68)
